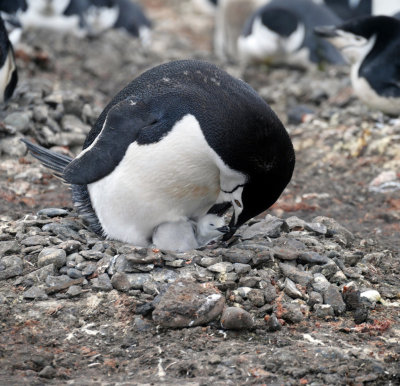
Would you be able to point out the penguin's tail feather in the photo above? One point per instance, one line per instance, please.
(50, 159)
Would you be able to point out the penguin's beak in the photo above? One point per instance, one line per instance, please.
(224, 229)
(326, 31)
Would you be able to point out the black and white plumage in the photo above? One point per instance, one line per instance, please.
(179, 139)
(8, 68)
(184, 235)
(371, 44)
(282, 31)
(10, 11)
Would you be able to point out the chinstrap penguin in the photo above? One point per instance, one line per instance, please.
(8, 68)
(282, 32)
(184, 235)
(371, 44)
(10, 11)
(181, 139)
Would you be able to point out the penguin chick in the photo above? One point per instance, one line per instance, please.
(371, 44)
(282, 32)
(8, 68)
(181, 236)
(179, 139)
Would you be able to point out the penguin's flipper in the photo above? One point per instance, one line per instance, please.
(50, 159)
(123, 124)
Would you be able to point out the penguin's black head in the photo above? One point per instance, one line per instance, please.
(356, 37)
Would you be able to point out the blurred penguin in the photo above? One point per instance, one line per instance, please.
(10, 11)
(229, 21)
(208, 7)
(371, 44)
(8, 68)
(283, 32)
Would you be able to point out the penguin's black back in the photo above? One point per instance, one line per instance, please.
(4, 43)
(178, 88)
(131, 17)
(12, 6)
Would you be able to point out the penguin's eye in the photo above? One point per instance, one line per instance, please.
(212, 225)
(237, 202)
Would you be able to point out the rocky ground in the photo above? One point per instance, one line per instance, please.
(308, 293)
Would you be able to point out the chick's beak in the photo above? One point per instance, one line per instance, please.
(224, 229)
(326, 31)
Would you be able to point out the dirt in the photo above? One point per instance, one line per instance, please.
(101, 340)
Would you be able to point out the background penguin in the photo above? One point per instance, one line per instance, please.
(372, 45)
(179, 139)
(8, 68)
(181, 236)
(10, 11)
(282, 31)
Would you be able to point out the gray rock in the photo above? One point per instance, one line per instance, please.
(312, 258)
(121, 282)
(339, 232)
(92, 255)
(292, 313)
(333, 297)
(10, 266)
(323, 311)
(56, 281)
(236, 255)
(222, 267)
(102, 283)
(8, 247)
(235, 318)
(137, 280)
(352, 258)
(207, 261)
(19, 120)
(12, 146)
(320, 283)
(256, 297)
(36, 293)
(295, 223)
(70, 246)
(55, 256)
(316, 227)
(89, 269)
(74, 290)
(269, 291)
(249, 281)
(40, 113)
(188, 304)
(300, 277)
(40, 275)
(53, 212)
(314, 298)
(178, 263)
(270, 227)
(65, 232)
(328, 270)
(34, 240)
(273, 323)
(74, 273)
(285, 253)
(241, 269)
(164, 275)
(48, 372)
(291, 289)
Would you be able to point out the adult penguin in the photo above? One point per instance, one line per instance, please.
(178, 140)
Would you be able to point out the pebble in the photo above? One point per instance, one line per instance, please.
(291, 289)
(235, 318)
(207, 261)
(10, 266)
(285, 253)
(320, 283)
(256, 297)
(314, 298)
(300, 277)
(241, 269)
(323, 311)
(236, 255)
(53, 212)
(222, 267)
(55, 256)
(270, 227)
(339, 232)
(34, 240)
(333, 297)
(36, 293)
(74, 273)
(273, 323)
(8, 247)
(312, 258)
(19, 120)
(74, 290)
(187, 304)
(121, 282)
(292, 313)
(102, 283)
(48, 372)
(316, 227)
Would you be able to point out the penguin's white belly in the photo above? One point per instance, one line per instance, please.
(170, 180)
(6, 73)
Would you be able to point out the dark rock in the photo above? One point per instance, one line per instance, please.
(10, 266)
(74, 290)
(273, 323)
(300, 277)
(292, 313)
(102, 283)
(70, 246)
(8, 247)
(241, 268)
(285, 253)
(256, 297)
(333, 297)
(121, 282)
(323, 311)
(339, 232)
(269, 291)
(74, 273)
(36, 293)
(236, 255)
(235, 318)
(316, 227)
(188, 304)
(361, 314)
(351, 297)
(145, 309)
(48, 372)
(270, 227)
(314, 298)
(291, 289)
(34, 240)
(320, 283)
(312, 258)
